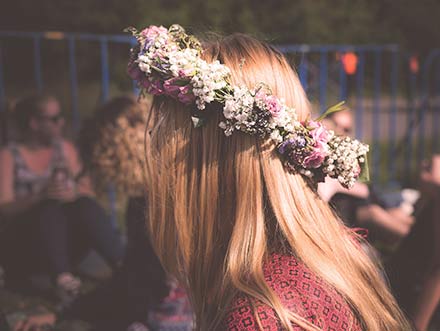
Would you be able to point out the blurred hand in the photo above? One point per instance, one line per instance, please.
(38, 322)
(62, 190)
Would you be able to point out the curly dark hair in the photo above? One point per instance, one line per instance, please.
(105, 115)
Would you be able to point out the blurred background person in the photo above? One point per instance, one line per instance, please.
(141, 296)
(50, 219)
(415, 268)
(359, 206)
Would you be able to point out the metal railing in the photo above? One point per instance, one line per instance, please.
(381, 73)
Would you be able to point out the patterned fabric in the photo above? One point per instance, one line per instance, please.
(26, 182)
(301, 292)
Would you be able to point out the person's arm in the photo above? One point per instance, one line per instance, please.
(83, 183)
(380, 217)
(331, 186)
(9, 205)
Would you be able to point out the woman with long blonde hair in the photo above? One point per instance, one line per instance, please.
(238, 225)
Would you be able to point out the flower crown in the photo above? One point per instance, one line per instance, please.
(168, 62)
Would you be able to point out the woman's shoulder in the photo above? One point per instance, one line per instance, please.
(242, 316)
(300, 291)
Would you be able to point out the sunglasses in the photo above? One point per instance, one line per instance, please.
(346, 130)
(53, 119)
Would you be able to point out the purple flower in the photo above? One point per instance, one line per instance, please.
(154, 87)
(186, 96)
(134, 72)
(285, 145)
(179, 89)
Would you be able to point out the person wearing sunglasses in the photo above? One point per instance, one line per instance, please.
(359, 206)
(49, 217)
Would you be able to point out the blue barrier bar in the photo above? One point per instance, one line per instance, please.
(2, 83)
(136, 89)
(335, 48)
(393, 113)
(303, 71)
(412, 94)
(436, 114)
(308, 76)
(105, 77)
(376, 112)
(323, 72)
(360, 78)
(64, 35)
(105, 94)
(37, 63)
(342, 81)
(73, 85)
(427, 69)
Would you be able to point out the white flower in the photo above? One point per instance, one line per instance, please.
(276, 136)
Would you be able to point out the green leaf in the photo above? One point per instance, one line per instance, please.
(365, 172)
(331, 110)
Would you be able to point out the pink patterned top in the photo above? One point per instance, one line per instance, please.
(301, 292)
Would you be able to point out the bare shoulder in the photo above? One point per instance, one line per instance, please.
(69, 147)
(5, 156)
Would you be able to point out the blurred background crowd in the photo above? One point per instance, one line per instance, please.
(73, 250)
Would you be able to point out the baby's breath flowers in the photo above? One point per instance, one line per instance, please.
(168, 62)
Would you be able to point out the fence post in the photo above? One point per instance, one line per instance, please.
(136, 89)
(393, 112)
(302, 71)
(2, 82)
(342, 79)
(436, 114)
(37, 63)
(412, 94)
(73, 84)
(360, 76)
(105, 93)
(433, 56)
(105, 76)
(323, 75)
(376, 112)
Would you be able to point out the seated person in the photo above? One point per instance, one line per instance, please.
(359, 206)
(415, 269)
(140, 296)
(49, 218)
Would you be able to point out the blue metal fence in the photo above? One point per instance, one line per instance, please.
(381, 74)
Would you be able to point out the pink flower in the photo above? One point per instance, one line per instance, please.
(134, 72)
(154, 87)
(271, 103)
(186, 96)
(153, 31)
(315, 158)
(319, 133)
(179, 89)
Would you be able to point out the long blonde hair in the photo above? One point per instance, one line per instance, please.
(219, 206)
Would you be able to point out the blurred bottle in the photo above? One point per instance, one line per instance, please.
(61, 175)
